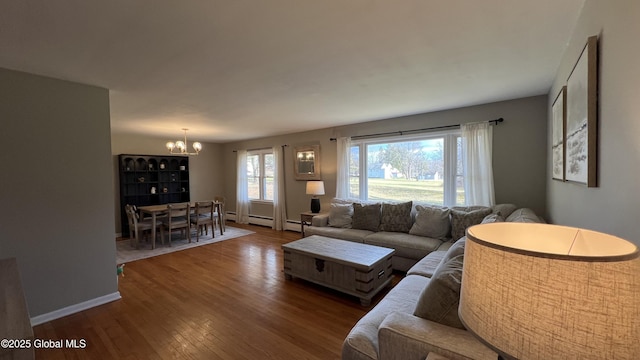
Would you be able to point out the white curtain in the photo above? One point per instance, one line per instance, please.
(242, 202)
(279, 199)
(342, 176)
(477, 139)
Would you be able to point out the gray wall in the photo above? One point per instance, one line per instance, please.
(56, 190)
(612, 207)
(519, 156)
(205, 170)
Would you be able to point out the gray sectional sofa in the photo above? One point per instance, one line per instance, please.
(419, 315)
(413, 229)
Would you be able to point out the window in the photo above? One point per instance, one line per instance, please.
(260, 173)
(427, 168)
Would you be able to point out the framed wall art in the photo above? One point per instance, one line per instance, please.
(581, 137)
(558, 128)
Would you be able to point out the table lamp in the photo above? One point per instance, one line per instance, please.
(551, 292)
(315, 188)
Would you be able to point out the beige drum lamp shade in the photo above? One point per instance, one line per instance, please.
(539, 291)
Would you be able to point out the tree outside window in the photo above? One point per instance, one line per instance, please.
(260, 175)
(425, 169)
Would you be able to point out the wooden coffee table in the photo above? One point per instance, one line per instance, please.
(353, 268)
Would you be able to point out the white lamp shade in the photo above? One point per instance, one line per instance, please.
(551, 292)
(315, 187)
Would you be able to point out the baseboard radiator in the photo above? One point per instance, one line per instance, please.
(292, 225)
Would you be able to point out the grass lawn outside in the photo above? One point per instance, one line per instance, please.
(429, 191)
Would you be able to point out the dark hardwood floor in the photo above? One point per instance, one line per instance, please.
(227, 300)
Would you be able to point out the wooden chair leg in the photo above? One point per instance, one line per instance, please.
(221, 224)
(132, 240)
(136, 239)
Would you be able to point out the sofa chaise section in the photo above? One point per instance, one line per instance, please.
(419, 315)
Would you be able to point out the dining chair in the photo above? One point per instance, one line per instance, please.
(178, 219)
(137, 227)
(219, 215)
(202, 217)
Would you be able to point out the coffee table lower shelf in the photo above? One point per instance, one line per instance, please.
(355, 269)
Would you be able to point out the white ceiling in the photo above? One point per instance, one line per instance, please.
(239, 69)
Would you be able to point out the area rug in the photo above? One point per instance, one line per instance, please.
(126, 253)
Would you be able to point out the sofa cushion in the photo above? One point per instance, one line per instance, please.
(366, 217)
(432, 221)
(340, 215)
(524, 215)
(362, 340)
(439, 300)
(461, 219)
(320, 220)
(355, 235)
(396, 217)
(406, 245)
(427, 265)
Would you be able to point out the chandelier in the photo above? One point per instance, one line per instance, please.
(180, 147)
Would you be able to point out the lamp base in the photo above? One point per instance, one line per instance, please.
(315, 205)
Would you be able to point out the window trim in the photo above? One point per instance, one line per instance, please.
(262, 178)
(450, 154)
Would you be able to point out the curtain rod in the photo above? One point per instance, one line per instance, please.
(405, 132)
(264, 148)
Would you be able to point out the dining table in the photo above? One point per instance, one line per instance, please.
(156, 211)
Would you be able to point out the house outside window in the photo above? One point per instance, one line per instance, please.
(425, 168)
(260, 175)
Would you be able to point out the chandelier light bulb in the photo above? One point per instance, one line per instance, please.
(181, 147)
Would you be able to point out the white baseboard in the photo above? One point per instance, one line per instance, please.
(253, 219)
(56, 314)
(292, 225)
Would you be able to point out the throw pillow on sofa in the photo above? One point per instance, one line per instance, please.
(455, 250)
(432, 222)
(504, 209)
(366, 217)
(492, 218)
(461, 220)
(396, 217)
(440, 299)
(340, 215)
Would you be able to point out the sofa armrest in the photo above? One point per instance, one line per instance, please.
(404, 336)
(320, 220)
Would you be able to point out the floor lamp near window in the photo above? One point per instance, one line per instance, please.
(539, 291)
(315, 188)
